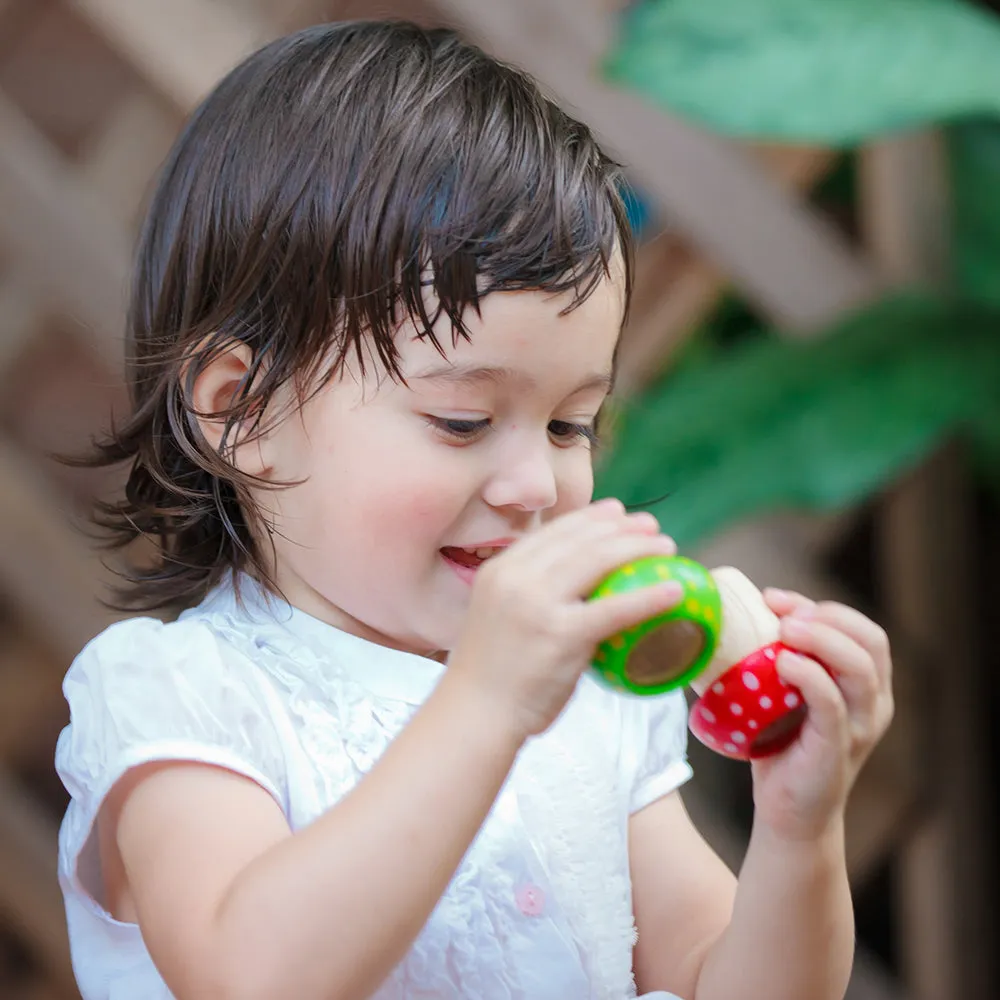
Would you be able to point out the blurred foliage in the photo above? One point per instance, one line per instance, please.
(814, 423)
(746, 421)
(975, 166)
(832, 72)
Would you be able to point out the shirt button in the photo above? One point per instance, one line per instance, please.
(530, 900)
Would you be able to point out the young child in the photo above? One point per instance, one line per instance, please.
(374, 321)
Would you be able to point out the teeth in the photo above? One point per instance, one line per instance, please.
(482, 553)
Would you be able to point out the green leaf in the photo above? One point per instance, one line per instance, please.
(815, 425)
(975, 167)
(833, 72)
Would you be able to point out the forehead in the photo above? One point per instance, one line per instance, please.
(531, 339)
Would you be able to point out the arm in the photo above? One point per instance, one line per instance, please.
(703, 938)
(791, 931)
(231, 904)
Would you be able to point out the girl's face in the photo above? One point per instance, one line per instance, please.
(404, 488)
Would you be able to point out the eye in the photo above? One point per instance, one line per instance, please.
(458, 430)
(566, 432)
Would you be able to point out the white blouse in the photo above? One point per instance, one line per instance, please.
(541, 907)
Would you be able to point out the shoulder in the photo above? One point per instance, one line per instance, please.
(143, 665)
(145, 690)
(653, 744)
(647, 737)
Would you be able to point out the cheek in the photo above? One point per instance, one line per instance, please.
(410, 496)
(576, 487)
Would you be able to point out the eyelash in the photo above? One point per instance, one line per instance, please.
(465, 430)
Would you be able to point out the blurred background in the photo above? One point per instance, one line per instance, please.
(811, 375)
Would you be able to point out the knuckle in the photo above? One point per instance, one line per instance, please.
(888, 710)
(881, 639)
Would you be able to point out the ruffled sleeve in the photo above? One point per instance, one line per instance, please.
(143, 691)
(659, 731)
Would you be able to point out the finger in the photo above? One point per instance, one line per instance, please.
(585, 557)
(853, 666)
(618, 612)
(603, 518)
(567, 525)
(583, 568)
(828, 714)
(786, 602)
(866, 633)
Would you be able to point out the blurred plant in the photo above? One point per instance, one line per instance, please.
(754, 422)
(831, 72)
(818, 424)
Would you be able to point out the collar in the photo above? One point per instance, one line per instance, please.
(385, 672)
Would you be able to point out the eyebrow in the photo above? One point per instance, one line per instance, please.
(495, 375)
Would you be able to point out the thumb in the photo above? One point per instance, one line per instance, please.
(607, 616)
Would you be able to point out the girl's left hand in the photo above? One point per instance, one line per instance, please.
(840, 661)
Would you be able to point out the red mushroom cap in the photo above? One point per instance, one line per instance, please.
(749, 712)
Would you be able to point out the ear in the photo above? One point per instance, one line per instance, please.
(214, 390)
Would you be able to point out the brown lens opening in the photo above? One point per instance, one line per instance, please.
(665, 653)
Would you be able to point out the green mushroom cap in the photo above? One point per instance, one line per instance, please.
(672, 649)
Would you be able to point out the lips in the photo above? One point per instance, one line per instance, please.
(466, 559)
(471, 557)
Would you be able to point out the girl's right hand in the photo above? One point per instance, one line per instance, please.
(530, 632)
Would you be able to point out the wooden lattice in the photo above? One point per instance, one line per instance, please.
(92, 92)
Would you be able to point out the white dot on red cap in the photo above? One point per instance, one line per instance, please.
(736, 708)
(791, 699)
(765, 702)
(719, 688)
(751, 681)
(770, 654)
(708, 715)
(752, 724)
(731, 748)
(738, 737)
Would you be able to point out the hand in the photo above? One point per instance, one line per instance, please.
(530, 632)
(841, 662)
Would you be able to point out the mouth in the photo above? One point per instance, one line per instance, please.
(466, 560)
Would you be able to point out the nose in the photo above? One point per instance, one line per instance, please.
(525, 480)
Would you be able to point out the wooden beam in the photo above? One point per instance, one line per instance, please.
(676, 288)
(41, 989)
(796, 268)
(30, 900)
(30, 689)
(120, 164)
(20, 315)
(49, 573)
(60, 233)
(947, 868)
(183, 48)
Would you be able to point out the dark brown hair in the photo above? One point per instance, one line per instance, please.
(305, 209)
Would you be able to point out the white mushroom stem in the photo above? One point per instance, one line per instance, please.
(747, 625)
